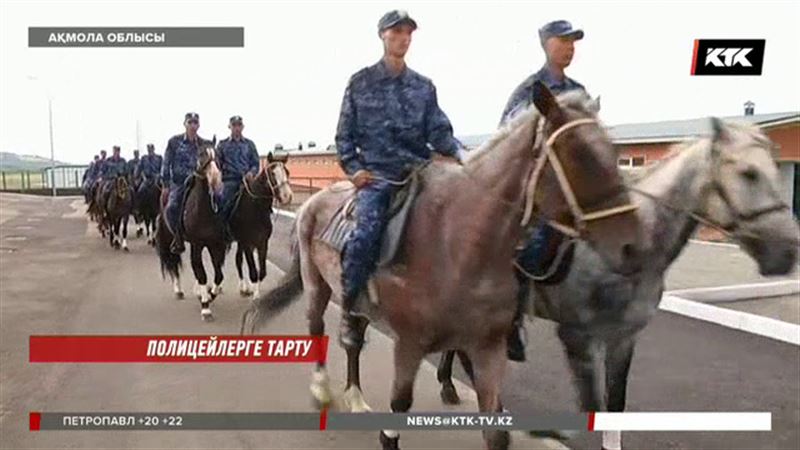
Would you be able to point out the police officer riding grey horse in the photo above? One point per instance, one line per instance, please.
(558, 41)
(238, 159)
(388, 118)
(180, 162)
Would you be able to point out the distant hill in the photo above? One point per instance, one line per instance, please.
(13, 161)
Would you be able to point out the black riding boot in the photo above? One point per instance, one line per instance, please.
(516, 339)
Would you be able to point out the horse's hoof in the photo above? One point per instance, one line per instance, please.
(244, 293)
(207, 315)
(179, 295)
(388, 443)
(449, 395)
(320, 404)
(139, 233)
(126, 249)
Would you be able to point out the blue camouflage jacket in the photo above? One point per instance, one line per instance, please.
(113, 167)
(180, 159)
(387, 123)
(237, 157)
(149, 166)
(522, 96)
(131, 166)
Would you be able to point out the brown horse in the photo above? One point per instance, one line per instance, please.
(116, 213)
(459, 243)
(201, 229)
(251, 224)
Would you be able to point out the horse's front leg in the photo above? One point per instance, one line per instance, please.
(582, 353)
(201, 289)
(218, 260)
(618, 363)
(407, 358)
(125, 232)
(490, 364)
(353, 396)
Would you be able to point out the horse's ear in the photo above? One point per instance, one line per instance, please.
(594, 105)
(719, 135)
(214, 141)
(546, 102)
(270, 158)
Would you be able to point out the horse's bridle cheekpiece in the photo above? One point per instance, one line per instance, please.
(548, 155)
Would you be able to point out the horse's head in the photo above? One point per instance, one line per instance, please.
(579, 184)
(743, 197)
(207, 164)
(278, 178)
(121, 186)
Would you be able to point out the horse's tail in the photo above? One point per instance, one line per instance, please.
(170, 262)
(275, 301)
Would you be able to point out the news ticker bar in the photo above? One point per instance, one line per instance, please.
(177, 349)
(647, 421)
(135, 36)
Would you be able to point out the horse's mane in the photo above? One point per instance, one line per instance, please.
(698, 143)
(576, 100)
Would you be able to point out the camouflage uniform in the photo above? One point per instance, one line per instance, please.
(385, 126)
(530, 257)
(236, 158)
(179, 163)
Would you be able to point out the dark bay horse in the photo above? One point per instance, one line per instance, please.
(730, 181)
(459, 244)
(251, 223)
(117, 210)
(201, 229)
(147, 203)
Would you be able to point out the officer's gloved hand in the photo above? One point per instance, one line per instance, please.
(361, 178)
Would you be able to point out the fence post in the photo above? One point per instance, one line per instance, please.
(4, 180)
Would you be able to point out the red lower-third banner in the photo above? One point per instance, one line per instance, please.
(177, 349)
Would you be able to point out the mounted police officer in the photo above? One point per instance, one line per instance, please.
(180, 161)
(131, 169)
(149, 167)
(558, 41)
(88, 177)
(95, 176)
(237, 158)
(113, 167)
(389, 116)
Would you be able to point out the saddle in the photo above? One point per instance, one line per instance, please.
(337, 231)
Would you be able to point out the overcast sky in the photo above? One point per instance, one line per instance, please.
(288, 80)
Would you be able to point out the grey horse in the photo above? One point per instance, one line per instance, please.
(728, 181)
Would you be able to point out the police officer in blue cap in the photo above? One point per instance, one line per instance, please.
(389, 116)
(558, 41)
(88, 177)
(113, 167)
(180, 161)
(149, 167)
(131, 169)
(237, 158)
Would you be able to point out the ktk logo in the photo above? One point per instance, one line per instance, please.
(728, 56)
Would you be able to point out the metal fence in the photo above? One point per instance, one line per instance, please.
(67, 177)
